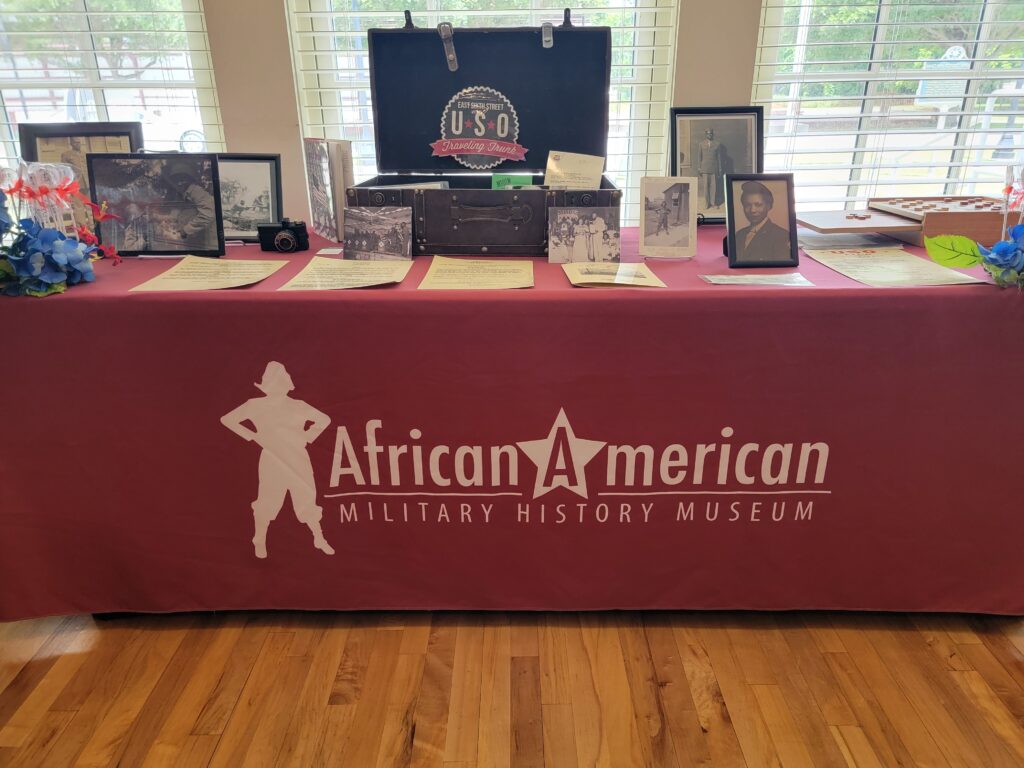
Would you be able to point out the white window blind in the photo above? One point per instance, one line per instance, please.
(109, 60)
(331, 67)
(891, 97)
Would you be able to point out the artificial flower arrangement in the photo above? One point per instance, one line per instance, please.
(1005, 259)
(37, 259)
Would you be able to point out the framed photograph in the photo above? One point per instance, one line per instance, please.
(668, 217)
(583, 234)
(69, 143)
(761, 220)
(250, 194)
(165, 204)
(711, 142)
(378, 234)
(321, 188)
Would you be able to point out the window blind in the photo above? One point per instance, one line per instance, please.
(109, 60)
(891, 97)
(331, 67)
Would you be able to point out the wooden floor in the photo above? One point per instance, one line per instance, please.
(481, 690)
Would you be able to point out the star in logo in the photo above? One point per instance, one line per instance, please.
(469, 123)
(561, 458)
(491, 124)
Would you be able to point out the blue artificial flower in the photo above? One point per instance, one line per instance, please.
(1017, 234)
(1006, 255)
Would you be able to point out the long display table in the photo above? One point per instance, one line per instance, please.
(834, 447)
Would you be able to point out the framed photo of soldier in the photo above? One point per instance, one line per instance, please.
(69, 143)
(160, 204)
(761, 220)
(668, 217)
(710, 142)
(250, 193)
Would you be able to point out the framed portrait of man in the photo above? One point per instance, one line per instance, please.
(69, 143)
(761, 220)
(710, 142)
(161, 204)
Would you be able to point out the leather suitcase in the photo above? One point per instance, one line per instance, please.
(450, 105)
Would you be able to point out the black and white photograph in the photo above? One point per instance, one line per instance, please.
(710, 142)
(161, 204)
(382, 234)
(250, 193)
(583, 234)
(761, 220)
(668, 217)
(321, 193)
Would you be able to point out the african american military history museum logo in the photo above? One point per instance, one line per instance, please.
(479, 129)
(393, 474)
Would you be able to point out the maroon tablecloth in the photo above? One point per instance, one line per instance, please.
(554, 448)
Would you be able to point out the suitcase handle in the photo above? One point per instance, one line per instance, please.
(507, 214)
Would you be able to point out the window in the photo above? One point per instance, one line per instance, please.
(891, 97)
(331, 67)
(109, 60)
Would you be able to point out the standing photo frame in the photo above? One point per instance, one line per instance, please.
(668, 218)
(69, 143)
(710, 142)
(250, 193)
(162, 204)
(761, 216)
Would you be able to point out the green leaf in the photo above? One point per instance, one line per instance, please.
(953, 250)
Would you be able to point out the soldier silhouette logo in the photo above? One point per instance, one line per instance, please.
(282, 426)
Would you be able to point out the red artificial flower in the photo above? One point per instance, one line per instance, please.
(16, 188)
(85, 236)
(99, 212)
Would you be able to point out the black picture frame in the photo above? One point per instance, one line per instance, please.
(771, 252)
(30, 133)
(720, 116)
(145, 190)
(225, 160)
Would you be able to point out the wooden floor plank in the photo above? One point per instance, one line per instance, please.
(485, 690)
(527, 715)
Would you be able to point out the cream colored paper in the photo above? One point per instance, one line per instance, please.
(591, 275)
(474, 274)
(788, 279)
(889, 268)
(195, 273)
(323, 274)
(568, 170)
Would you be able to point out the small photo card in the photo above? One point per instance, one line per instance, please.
(583, 234)
(378, 233)
(668, 217)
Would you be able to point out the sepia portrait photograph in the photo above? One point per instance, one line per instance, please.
(69, 143)
(583, 234)
(668, 217)
(710, 142)
(761, 220)
(160, 204)
(250, 193)
(378, 233)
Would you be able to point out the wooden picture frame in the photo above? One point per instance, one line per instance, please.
(760, 201)
(735, 146)
(243, 209)
(166, 204)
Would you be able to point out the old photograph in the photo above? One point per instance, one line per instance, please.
(321, 193)
(668, 220)
(583, 234)
(762, 220)
(378, 233)
(71, 150)
(159, 203)
(712, 142)
(250, 193)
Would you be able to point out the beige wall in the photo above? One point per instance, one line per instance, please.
(715, 52)
(256, 89)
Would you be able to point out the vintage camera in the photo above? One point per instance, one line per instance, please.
(286, 237)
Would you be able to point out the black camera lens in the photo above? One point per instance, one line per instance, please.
(285, 241)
